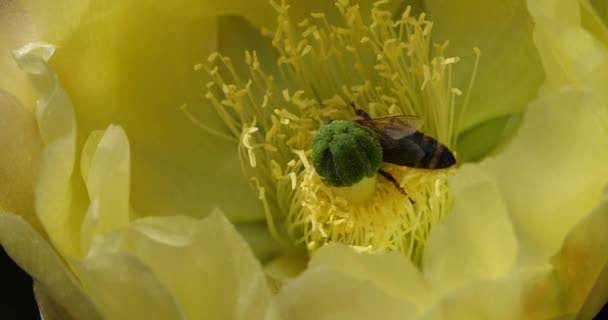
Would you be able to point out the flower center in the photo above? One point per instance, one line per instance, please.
(389, 67)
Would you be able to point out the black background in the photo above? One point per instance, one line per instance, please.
(17, 299)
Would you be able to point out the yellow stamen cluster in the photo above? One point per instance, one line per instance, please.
(386, 68)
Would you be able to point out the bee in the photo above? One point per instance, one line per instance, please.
(404, 145)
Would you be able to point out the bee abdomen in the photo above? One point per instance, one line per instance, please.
(419, 151)
(436, 155)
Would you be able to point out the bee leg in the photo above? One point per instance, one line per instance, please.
(360, 112)
(392, 179)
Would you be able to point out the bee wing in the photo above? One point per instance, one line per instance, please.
(403, 144)
(392, 129)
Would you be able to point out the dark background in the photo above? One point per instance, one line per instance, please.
(17, 299)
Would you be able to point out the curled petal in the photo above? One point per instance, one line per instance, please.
(55, 190)
(105, 167)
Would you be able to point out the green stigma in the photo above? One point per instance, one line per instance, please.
(344, 152)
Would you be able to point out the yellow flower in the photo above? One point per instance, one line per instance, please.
(518, 234)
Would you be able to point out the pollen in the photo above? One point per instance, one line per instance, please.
(382, 62)
(385, 220)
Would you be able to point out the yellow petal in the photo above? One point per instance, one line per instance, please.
(132, 65)
(285, 267)
(541, 296)
(486, 138)
(509, 73)
(259, 240)
(57, 20)
(239, 33)
(553, 172)
(17, 30)
(601, 8)
(571, 55)
(475, 241)
(236, 35)
(124, 288)
(595, 19)
(205, 264)
(107, 179)
(582, 264)
(323, 293)
(49, 309)
(567, 11)
(258, 12)
(55, 189)
(34, 254)
(489, 299)
(392, 272)
(19, 159)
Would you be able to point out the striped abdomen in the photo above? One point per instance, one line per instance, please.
(418, 150)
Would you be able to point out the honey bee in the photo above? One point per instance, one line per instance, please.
(404, 145)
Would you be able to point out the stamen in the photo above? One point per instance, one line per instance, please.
(467, 97)
(184, 108)
(385, 68)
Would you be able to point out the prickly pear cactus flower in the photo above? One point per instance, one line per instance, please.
(313, 160)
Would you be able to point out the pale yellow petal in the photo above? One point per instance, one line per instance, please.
(541, 296)
(58, 19)
(17, 30)
(19, 159)
(487, 138)
(259, 12)
(236, 35)
(259, 240)
(132, 65)
(553, 172)
(571, 55)
(566, 11)
(107, 178)
(205, 264)
(582, 264)
(510, 72)
(323, 293)
(300, 10)
(476, 240)
(392, 272)
(288, 265)
(49, 309)
(124, 288)
(34, 254)
(489, 299)
(595, 20)
(601, 7)
(55, 189)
